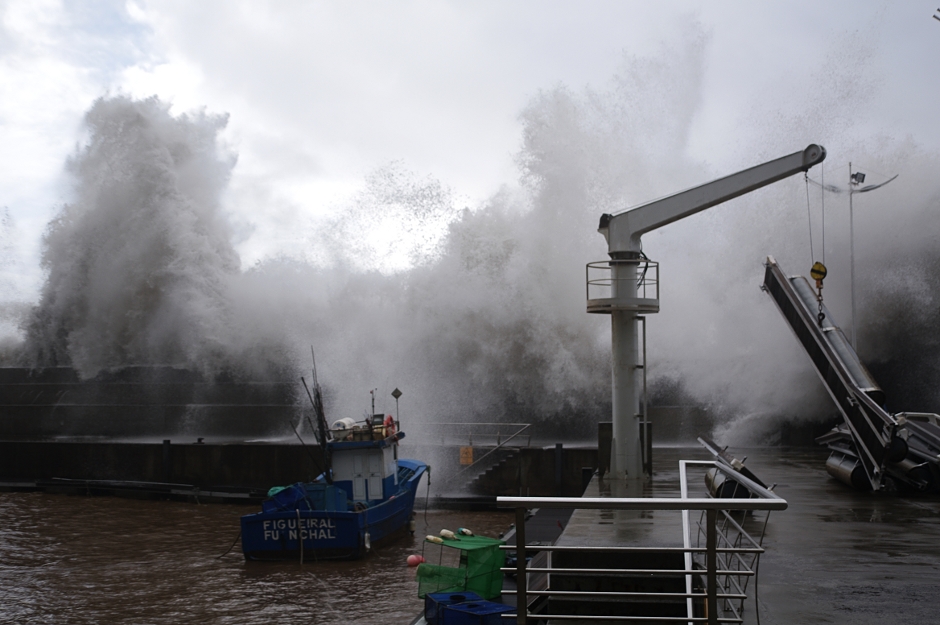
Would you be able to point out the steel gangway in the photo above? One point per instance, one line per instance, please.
(871, 449)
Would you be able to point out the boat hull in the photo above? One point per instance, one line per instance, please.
(330, 534)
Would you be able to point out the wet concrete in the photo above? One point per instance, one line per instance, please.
(841, 556)
(834, 556)
(627, 527)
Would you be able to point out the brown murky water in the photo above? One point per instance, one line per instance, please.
(834, 556)
(73, 559)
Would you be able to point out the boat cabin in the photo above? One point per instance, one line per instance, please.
(366, 465)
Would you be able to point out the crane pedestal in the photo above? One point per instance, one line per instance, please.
(632, 284)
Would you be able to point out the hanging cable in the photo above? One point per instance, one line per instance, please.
(427, 498)
(822, 199)
(809, 219)
(818, 270)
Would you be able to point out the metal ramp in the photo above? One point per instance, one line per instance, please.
(872, 449)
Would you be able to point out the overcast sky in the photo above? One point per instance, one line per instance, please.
(321, 93)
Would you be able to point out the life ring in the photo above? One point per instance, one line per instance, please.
(389, 425)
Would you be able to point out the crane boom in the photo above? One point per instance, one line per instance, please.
(623, 230)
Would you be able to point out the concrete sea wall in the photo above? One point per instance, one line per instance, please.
(141, 403)
(246, 466)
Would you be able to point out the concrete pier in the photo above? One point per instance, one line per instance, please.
(834, 556)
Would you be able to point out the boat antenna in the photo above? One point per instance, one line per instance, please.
(372, 414)
(317, 400)
(302, 444)
(318, 408)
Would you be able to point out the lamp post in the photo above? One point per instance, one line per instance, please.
(856, 179)
(396, 394)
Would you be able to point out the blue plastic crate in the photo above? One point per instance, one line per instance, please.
(476, 613)
(434, 602)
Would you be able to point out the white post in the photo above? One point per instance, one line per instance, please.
(852, 257)
(625, 456)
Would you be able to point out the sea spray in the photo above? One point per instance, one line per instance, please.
(139, 261)
(481, 315)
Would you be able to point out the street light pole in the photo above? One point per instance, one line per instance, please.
(852, 255)
(856, 179)
(396, 394)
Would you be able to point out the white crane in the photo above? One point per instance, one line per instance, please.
(630, 285)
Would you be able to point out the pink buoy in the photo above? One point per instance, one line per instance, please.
(415, 560)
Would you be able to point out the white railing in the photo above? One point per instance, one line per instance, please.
(727, 560)
(601, 284)
(476, 434)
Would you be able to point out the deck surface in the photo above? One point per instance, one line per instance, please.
(834, 556)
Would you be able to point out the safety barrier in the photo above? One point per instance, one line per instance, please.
(478, 434)
(727, 560)
(606, 291)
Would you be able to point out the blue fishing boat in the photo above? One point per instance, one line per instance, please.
(364, 499)
(363, 508)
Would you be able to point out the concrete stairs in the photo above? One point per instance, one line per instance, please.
(500, 477)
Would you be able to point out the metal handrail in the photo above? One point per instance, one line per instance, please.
(499, 445)
(641, 549)
(761, 499)
(642, 503)
(468, 428)
(739, 584)
(580, 571)
(648, 276)
(644, 619)
(601, 593)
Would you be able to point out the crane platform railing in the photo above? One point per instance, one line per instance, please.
(605, 292)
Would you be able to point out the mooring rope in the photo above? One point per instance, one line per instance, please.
(300, 538)
(427, 497)
(232, 545)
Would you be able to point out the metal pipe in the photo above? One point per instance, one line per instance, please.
(575, 593)
(639, 549)
(711, 563)
(643, 619)
(625, 455)
(648, 503)
(522, 604)
(612, 572)
(852, 257)
(686, 536)
(647, 426)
